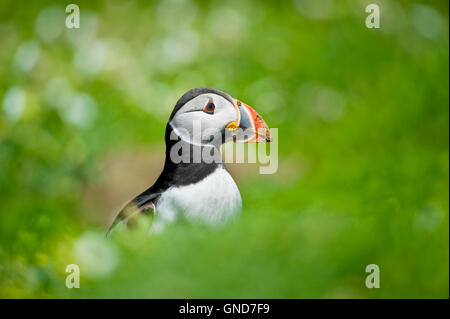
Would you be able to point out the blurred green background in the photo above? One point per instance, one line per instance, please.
(363, 125)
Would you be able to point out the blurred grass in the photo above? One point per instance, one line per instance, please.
(363, 140)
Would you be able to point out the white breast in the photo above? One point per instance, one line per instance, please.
(213, 200)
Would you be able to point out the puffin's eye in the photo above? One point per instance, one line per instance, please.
(209, 108)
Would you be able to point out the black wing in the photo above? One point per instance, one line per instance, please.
(144, 203)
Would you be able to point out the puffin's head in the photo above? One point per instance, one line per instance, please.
(206, 116)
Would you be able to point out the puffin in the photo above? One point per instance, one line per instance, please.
(194, 184)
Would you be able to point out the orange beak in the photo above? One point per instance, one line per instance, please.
(250, 126)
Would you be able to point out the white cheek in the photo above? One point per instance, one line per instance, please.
(188, 126)
(200, 127)
(222, 117)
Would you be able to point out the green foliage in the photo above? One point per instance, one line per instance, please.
(363, 147)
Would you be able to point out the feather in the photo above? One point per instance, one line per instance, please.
(144, 203)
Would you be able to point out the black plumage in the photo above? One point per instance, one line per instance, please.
(173, 174)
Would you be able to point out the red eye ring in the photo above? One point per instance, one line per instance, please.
(209, 108)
